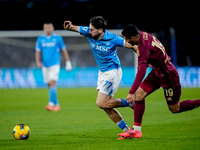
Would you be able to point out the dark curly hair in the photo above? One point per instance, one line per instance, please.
(98, 22)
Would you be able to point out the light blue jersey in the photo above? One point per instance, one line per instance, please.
(105, 49)
(50, 47)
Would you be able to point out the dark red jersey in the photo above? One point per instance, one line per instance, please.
(152, 53)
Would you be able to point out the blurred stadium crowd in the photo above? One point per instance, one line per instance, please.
(20, 53)
(151, 17)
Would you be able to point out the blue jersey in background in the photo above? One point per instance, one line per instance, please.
(105, 49)
(50, 47)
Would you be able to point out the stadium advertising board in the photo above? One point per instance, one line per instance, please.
(83, 77)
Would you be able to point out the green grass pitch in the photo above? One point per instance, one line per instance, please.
(82, 125)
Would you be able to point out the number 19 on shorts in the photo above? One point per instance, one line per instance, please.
(168, 94)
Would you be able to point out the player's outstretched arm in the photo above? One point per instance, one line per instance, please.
(68, 26)
(128, 45)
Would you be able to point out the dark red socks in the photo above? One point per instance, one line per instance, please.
(139, 108)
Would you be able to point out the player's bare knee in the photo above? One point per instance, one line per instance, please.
(104, 104)
(99, 104)
(138, 97)
(140, 94)
(174, 110)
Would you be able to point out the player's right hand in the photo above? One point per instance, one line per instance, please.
(67, 24)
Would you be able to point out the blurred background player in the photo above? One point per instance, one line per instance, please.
(152, 53)
(104, 47)
(47, 57)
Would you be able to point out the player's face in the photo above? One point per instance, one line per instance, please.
(48, 29)
(95, 33)
(131, 40)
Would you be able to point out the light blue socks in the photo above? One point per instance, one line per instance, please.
(122, 125)
(125, 103)
(53, 99)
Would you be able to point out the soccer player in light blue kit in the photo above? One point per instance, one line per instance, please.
(104, 47)
(47, 57)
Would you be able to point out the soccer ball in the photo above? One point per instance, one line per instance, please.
(21, 132)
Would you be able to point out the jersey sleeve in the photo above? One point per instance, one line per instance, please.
(62, 44)
(84, 31)
(120, 41)
(38, 44)
(141, 71)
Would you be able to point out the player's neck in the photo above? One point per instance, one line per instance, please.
(101, 36)
(48, 34)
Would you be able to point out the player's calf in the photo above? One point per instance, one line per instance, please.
(105, 102)
(184, 106)
(108, 103)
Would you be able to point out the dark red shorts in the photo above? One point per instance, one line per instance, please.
(169, 83)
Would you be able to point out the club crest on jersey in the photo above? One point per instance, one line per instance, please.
(107, 43)
(92, 45)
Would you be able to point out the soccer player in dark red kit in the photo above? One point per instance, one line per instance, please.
(152, 53)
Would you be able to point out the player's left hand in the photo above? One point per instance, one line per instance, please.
(130, 98)
(68, 65)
